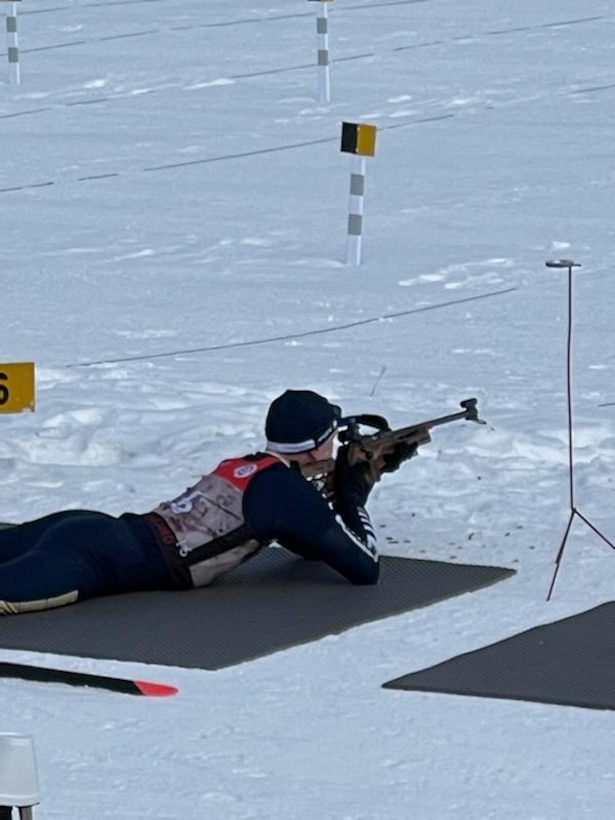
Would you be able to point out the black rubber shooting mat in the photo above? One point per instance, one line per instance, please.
(570, 662)
(272, 602)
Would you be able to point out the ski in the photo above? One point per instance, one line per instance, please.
(45, 674)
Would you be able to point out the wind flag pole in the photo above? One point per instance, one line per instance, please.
(12, 42)
(574, 512)
(322, 44)
(360, 141)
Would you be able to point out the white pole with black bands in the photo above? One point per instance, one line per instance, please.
(358, 139)
(322, 37)
(355, 210)
(12, 43)
(322, 45)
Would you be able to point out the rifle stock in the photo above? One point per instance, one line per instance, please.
(373, 447)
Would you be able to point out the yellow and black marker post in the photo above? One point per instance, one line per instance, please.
(16, 387)
(358, 139)
(12, 40)
(322, 45)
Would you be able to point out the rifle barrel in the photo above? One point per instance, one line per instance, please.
(469, 412)
(463, 414)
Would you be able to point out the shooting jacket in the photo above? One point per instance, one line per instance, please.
(203, 532)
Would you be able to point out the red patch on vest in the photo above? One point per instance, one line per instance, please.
(240, 471)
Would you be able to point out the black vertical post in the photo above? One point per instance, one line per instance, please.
(569, 264)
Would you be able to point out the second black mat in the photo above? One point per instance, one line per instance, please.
(569, 662)
(269, 603)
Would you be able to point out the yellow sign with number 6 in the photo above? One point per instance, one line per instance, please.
(16, 387)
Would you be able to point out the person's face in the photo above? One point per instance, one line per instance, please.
(323, 452)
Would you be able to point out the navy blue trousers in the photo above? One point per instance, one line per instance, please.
(90, 552)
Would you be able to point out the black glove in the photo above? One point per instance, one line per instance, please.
(352, 481)
(402, 452)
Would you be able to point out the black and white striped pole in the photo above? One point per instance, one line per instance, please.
(12, 41)
(322, 45)
(358, 139)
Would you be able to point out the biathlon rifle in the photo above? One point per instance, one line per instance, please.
(373, 447)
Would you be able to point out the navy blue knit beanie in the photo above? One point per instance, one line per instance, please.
(300, 420)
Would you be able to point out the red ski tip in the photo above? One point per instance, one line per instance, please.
(155, 689)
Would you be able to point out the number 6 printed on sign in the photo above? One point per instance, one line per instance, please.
(16, 387)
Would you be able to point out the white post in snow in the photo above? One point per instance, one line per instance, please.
(18, 776)
(360, 141)
(322, 44)
(12, 41)
(355, 210)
